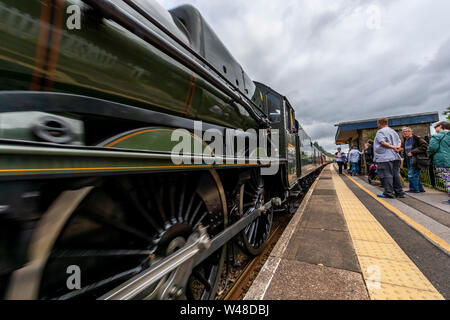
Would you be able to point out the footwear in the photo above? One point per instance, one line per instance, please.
(385, 197)
(401, 196)
(422, 191)
(413, 191)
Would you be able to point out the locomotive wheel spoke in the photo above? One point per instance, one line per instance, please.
(188, 210)
(251, 232)
(255, 235)
(247, 228)
(172, 202)
(194, 215)
(158, 200)
(202, 218)
(147, 201)
(250, 194)
(143, 212)
(118, 225)
(249, 204)
(180, 210)
(112, 234)
(99, 284)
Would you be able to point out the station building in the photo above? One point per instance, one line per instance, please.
(359, 132)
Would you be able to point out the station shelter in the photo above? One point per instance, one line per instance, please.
(357, 133)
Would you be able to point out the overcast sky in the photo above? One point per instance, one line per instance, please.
(340, 60)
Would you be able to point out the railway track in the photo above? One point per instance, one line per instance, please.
(249, 273)
(243, 276)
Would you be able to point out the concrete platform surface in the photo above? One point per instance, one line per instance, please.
(434, 198)
(344, 244)
(297, 280)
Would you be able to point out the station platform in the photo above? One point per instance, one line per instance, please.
(344, 243)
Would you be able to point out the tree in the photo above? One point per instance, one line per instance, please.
(447, 113)
(316, 144)
(371, 134)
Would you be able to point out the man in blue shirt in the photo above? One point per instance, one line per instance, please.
(353, 157)
(387, 147)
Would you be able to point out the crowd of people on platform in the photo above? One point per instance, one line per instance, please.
(384, 155)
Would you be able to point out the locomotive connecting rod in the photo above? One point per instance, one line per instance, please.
(229, 233)
(182, 261)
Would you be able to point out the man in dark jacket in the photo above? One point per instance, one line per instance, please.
(413, 146)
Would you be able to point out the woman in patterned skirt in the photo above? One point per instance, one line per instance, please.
(439, 149)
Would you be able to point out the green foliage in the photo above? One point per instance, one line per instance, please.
(425, 179)
(316, 144)
(371, 135)
(447, 113)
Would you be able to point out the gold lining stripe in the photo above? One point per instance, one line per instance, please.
(127, 168)
(112, 144)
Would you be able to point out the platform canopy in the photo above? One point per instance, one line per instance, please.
(348, 131)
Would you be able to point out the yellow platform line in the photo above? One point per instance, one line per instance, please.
(411, 222)
(387, 270)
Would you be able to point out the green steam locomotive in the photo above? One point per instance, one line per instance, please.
(95, 96)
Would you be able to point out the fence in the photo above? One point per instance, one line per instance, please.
(428, 177)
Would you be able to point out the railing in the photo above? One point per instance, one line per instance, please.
(428, 177)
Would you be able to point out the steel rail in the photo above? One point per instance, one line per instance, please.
(238, 288)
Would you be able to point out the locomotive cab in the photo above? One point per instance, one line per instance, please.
(282, 117)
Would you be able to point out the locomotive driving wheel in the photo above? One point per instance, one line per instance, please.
(107, 234)
(255, 235)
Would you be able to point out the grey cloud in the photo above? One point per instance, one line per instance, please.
(332, 67)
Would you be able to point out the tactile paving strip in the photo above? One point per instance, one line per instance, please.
(387, 270)
(388, 251)
(402, 293)
(369, 235)
(396, 272)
